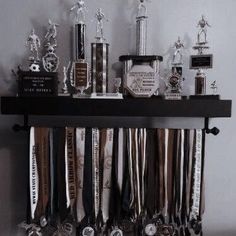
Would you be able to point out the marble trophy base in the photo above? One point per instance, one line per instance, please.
(106, 96)
(64, 93)
(173, 96)
(81, 96)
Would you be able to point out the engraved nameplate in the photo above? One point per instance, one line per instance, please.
(81, 74)
(201, 61)
(41, 84)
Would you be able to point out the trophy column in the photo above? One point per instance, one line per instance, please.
(100, 53)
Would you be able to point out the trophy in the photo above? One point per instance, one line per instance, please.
(35, 82)
(80, 78)
(51, 60)
(201, 61)
(141, 71)
(100, 52)
(174, 84)
(34, 43)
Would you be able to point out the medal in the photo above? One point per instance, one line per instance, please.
(150, 229)
(88, 231)
(116, 232)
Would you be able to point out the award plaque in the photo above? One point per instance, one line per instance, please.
(141, 72)
(201, 61)
(80, 70)
(175, 80)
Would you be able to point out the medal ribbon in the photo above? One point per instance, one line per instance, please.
(107, 171)
(80, 154)
(34, 176)
(95, 171)
(197, 176)
(70, 168)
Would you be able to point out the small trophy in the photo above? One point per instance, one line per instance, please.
(100, 55)
(214, 88)
(141, 72)
(51, 60)
(80, 78)
(174, 85)
(34, 43)
(66, 81)
(201, 61)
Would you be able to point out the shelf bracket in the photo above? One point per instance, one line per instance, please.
(25, 127)
(215, 131)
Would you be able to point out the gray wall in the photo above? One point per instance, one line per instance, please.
(168, 20)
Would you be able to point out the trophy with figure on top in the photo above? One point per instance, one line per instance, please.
(141, 71)
(79, 76)
(175, 80)
(201, 61)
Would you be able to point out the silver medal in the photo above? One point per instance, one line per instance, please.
(150, 229)
(88, 231)
(116, 232)
(43, 222)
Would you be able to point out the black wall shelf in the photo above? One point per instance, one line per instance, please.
(129, 107)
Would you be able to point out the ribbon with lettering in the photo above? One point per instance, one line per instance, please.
(34, 176)
(70, 169)
(80, 154)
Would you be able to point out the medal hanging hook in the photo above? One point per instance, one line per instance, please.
(215, 131)
(24, 127)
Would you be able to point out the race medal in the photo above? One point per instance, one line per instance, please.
(150, 229)
(88, 231)
(116, 232)
(166, 230)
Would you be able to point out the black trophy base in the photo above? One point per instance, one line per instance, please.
(204, 97)
(37, 84)
(141, 59)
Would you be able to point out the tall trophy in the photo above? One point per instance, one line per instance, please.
(174, 83)
(100, 56)
(201, 61)
(141, 71)
(80, 68)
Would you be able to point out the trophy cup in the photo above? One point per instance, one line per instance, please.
(141, 72)
(34, 82)
(201, 61)
(174, 85)
(80, 78)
